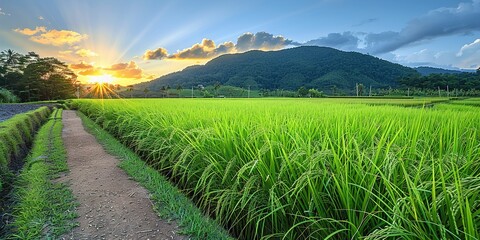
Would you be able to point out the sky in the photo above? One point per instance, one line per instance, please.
(135, 41)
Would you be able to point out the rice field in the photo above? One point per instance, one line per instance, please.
(312, 168)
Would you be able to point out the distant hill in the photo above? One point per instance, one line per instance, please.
(424, 71)
(312, 67)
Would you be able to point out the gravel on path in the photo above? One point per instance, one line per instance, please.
(112, 206)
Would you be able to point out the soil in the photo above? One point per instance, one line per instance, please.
(111, 205)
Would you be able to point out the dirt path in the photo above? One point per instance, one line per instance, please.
(111, 205)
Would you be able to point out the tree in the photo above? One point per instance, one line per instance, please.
(179, 88)
(302, 92)
(478, 71)
(146, 90)
(7, 96)
(48, 79)
(166, 89)
(10, 79)
(10, 58)
(130, 89)
(314, 93)
(360, 89)
(216, 86)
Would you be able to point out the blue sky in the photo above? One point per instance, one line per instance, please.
(136, 41)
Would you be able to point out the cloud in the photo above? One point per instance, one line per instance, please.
(125, 70)
(158, 54)
(81, 65)
(468, 59)
(41, 18)
(345, 40)
(59, 37)
(67, 52)
(469, 55)
(440, 22)
(118, 70)
(52, 37)
(208, 49)
(261, 40)
(86, 53)
(91, 72)
(3, 13)
(118, 66)
(30, 32)
(469, 48)
(205, 49)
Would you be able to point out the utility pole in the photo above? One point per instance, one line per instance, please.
(192, 91)
(248, 91)
(356, 87)
(439, 95)
(448, 93)
(408, 92)
(370, 92)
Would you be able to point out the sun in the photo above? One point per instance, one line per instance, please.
(101, 79)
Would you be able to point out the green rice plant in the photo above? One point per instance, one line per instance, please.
(312, 168)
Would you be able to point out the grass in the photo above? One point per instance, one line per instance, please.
(170, 203)
(43, 208)
(16, 135)
(18, 131)
(7, 96)
(312, 168)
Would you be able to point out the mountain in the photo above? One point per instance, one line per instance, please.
(424, 71)
(312, 67)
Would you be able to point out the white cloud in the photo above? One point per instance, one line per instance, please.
(469, 55)
(3, 13)
(474, 46)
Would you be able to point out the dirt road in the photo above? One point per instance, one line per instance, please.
(111, 205)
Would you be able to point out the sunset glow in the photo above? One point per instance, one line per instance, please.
(102, 79)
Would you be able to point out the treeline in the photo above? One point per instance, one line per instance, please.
(461, 81)
(33, 78)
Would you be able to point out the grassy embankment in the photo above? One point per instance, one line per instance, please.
(16, 135)
(308, 168)
(43, 208)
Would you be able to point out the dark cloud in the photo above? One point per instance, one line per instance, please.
(345, 41)
(440, 22)
(261, 40)
(226, 47)
(159, 53)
